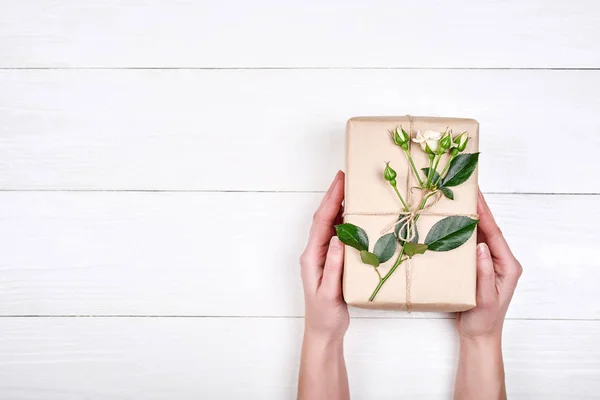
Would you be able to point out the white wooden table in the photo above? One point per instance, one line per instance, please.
(160, 161)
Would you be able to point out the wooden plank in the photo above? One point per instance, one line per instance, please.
(190, 358)
(236, 254)
(266, 33)
(280, 130)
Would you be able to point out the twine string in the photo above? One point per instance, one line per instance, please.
(411, 219)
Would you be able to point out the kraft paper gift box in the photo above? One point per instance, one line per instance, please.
(437, 281)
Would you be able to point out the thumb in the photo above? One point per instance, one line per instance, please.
(487, 294)
(334, 266)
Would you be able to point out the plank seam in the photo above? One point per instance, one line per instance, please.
(263, 191)
(270, 317)
(303, 68)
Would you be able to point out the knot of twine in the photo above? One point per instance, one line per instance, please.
(409, 219)
(408, 230)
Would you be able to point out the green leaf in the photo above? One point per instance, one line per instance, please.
(461, 168)
(447, 192)
(435, 174)
(450, 233)
(385, 247)
(353, 236)
(410, 249)
(402, 233)
(369, 258)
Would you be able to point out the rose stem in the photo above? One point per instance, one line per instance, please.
(378, 273)
(414, 168)
(400, 197)
(437, 163)
(399, 260)
(431, 169)
(444, 170)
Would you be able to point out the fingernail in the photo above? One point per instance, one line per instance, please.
(482, 250)
(335, 243)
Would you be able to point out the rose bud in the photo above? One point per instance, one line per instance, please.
(445, 142)
(400, 137)
(389, 174)
(461, 141)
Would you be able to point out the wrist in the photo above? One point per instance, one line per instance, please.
(485, 343)
(323, 340)
(480, 373)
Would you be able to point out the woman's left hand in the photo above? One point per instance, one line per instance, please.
(322, 265)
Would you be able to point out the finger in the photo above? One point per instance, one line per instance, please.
(492, 235)
(323, 220)
(487, 294)
(313, 257)
(310, 272)
(327, 194)
(331, 285)
(480, 234)
(339, 218)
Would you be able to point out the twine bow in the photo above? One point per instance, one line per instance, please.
(409, 221)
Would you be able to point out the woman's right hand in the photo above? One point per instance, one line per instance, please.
(480, 374)
(498, 272)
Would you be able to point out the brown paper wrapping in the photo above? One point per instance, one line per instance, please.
(439, 281)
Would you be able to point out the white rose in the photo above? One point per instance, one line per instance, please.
(429, 139)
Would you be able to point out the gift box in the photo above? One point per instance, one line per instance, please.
(432, 281)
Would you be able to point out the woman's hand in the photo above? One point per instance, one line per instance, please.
(322, 367)
(498, 272)
(480, 372)
(322, 263)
